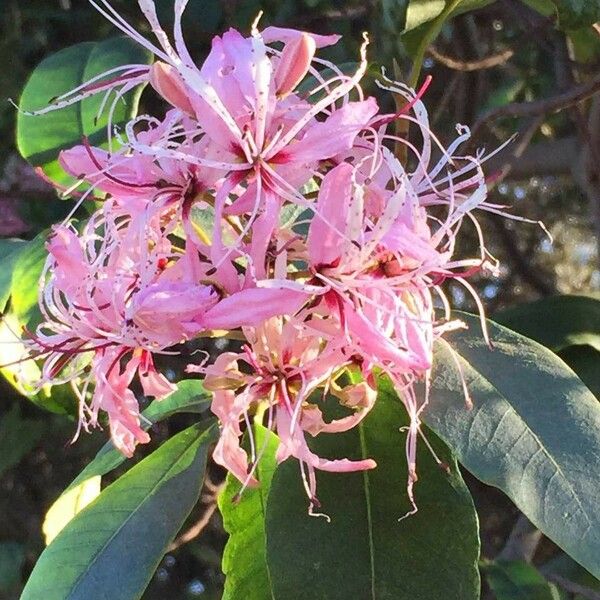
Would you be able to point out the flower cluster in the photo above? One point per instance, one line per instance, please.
(266, 204)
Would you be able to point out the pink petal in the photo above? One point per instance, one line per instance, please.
(229, 454)
(281, 34)
(373, 344)
(332, 136)
(325, 244)
(294, 444)
(251, 307)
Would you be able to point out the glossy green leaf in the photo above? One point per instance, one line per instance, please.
(557, 322)
(366, 552)
(518, 580)
(9, 252)
(572, 14)
(190, 397)
(534, 431)
(419, 12)
(25, 279)
(40, 138)
(68, 505)
(407, 15)
(244, 559)
(111, 549)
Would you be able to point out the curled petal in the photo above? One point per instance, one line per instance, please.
(294, 444)
(229, 454)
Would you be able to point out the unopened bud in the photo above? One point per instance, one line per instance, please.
(294, 63)
(168, 83)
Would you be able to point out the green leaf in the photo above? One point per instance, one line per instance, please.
(586, 45)
(190, 397)
(9, 252)
(23, 373)
(26, 274)
(40, 138)
(17, 437)
(419, 12)
(556, 322)
(534, 431)
(406, 15)
(517, 580)
(68, 505)
(23, 268)
(111, 549)
(572, 14)
(244, 559)
(366, 552)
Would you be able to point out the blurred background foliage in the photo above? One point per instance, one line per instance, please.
(501, 67)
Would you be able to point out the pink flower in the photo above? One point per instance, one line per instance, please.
(200, 234)
(285, 361)
(119, 293)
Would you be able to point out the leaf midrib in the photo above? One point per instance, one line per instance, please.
(77, 582)
(367, 486)
(263, 509)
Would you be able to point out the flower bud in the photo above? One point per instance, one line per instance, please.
(168, 83)
(294, 63)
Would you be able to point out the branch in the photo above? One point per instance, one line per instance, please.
(540, 107)
(573, 588)
(549, 157)
(195, 530)
(518, 149)
(522, 541)
(456, 64)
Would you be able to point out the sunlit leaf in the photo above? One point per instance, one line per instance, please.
(9, 252)
(40, 138)
(68, 505)
(557, 322)
(113, 546)
(244, 558)
(25, 279)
